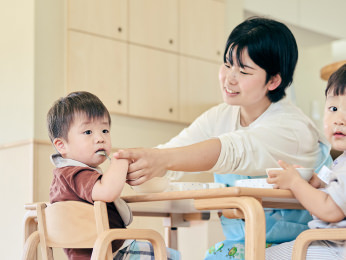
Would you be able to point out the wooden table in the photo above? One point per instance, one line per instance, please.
(234, 202)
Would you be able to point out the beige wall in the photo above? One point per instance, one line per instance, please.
(308, 85)
(17, 67)
(49, 57)
(16, 190)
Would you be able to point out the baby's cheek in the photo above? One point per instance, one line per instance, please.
(327, 129)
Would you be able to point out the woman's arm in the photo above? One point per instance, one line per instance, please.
(317, 202)
(149, 163)
(111, 184)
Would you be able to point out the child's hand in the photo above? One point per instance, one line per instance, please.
(284, 179)
(114, 157)
(316, 182)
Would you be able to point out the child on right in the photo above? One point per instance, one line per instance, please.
(325, 201)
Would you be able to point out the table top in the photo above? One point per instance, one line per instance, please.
(271, 198)
(182, 201)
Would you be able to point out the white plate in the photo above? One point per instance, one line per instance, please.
(181, 186)
(254, 183)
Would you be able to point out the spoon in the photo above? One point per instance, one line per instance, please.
(104, 154)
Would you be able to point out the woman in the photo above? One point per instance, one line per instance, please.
(250, 131)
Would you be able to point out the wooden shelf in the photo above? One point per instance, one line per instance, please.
(328, 70)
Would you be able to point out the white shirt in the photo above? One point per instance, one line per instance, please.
(337, 191)
(281, 132)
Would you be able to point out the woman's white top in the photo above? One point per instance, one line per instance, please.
(282, 132)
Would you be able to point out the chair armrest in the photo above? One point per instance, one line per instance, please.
(105, 238)
(305, 238)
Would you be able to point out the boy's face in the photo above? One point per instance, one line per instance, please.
(85, 138)
(335, 121)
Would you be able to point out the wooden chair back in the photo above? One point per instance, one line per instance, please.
(70, 224)
(73, 224)
(306, 237)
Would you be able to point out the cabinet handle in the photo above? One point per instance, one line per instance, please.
(170, 41)
(119, 102)
(170, 110)
(120, 29)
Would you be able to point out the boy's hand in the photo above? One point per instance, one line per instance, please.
(115, 157)
(316, 182)
(286, 178)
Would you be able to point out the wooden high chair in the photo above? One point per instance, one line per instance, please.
(305, 238)
(73, 224)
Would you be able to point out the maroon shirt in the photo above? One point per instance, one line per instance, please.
(76, 183)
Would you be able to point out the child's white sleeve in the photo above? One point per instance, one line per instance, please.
(325, 174)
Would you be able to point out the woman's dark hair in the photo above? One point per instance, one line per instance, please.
(62, 113)
(271, 45)
(337, 82)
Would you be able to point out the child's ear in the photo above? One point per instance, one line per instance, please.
(274, 82)
(60, 145)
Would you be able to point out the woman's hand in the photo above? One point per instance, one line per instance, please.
(286, 178)
(146, 164)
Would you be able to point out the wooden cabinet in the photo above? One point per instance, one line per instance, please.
(98, 65)
(154, 23)
(199, 88)
(102, 17)
(202, 28)
(149, 58)
(153, 84)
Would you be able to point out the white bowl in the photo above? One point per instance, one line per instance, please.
(156, 184)
(305, 173)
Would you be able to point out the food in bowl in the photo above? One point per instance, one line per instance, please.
(305, 173)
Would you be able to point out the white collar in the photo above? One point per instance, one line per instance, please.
(59, 162)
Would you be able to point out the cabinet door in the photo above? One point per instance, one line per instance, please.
(153, 83)
(102, 17)
(202, 28)
(154, 23)
(199, 88)
(98, 65)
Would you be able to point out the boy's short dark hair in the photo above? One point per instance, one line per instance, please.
(337, 82)
(271, 45)
(62, 113)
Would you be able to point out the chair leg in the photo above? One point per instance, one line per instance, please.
(30, 246)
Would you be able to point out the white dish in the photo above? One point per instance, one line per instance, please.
(180, 186)
(305, 173)
(254, 183)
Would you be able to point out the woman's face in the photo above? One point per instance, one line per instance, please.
(245, 87)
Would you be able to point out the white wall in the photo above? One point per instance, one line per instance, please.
(309, 86)
(16, 190)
